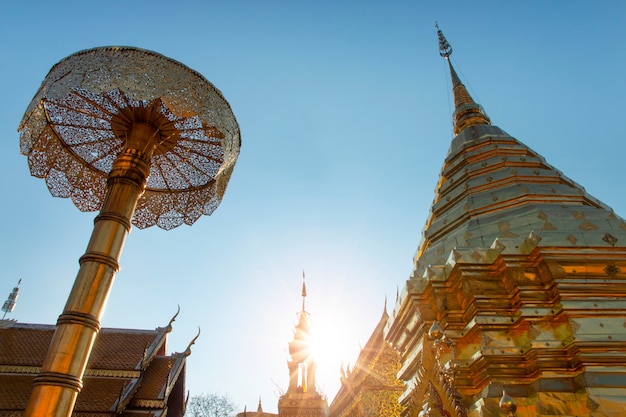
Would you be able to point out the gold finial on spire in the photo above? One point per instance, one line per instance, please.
(466, 111)
(303, 291)
(445, 50)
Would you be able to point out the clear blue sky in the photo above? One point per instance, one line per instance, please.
(344, 109)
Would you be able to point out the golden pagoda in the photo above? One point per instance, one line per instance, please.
(302, 398)
(517, 301)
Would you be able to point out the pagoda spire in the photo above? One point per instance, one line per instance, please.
(302, 397)
(303, 292)
(301, 366)
(9, 304)
(466, 111)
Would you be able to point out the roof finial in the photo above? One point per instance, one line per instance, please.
(188, 350)
(466, 111)
(9, 304)
(169, 327)
(303, 291)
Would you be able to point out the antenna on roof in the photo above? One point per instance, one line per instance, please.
(9, 304)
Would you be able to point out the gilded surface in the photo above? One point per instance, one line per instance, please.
(371, 387)
(530, 287)
(302, 398)
(525, 272)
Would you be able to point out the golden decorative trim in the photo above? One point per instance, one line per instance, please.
(587, 225)
(611, 269)
(115, 373)
(572, 239)
(610, 239)
(16, 369)
(148, 403)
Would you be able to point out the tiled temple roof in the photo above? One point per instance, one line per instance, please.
(128, 371)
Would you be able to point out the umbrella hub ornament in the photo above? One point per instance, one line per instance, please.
(139, 137)
(161, 134)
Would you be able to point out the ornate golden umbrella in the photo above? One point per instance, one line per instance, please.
(143, 139)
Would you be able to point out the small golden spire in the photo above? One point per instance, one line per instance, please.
(466, 111)
(303, 291)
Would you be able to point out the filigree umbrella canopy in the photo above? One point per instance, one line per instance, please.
(79, 122)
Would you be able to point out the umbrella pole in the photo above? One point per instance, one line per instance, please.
(60, 380)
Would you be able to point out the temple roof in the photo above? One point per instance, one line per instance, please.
(374, 346)
(372, 382)
(128, 371)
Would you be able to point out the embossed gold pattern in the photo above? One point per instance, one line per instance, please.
(371, 387)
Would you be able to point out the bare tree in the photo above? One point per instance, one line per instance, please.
(210, 405)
